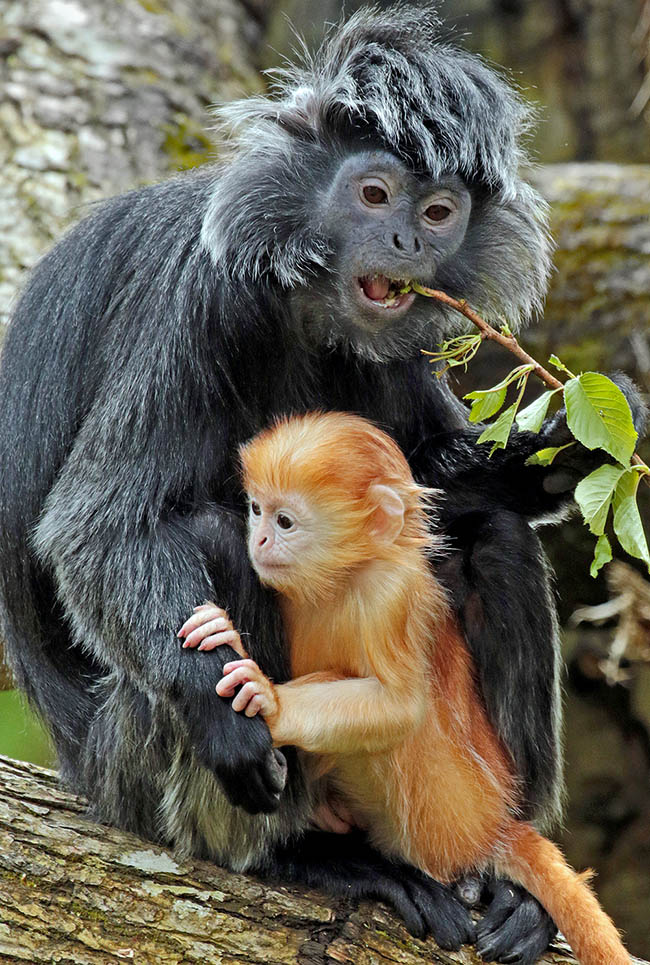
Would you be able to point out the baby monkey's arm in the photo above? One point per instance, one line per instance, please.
(325, 713)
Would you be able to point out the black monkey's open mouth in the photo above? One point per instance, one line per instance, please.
(385, 293)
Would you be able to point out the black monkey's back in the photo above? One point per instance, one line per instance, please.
(67, 342)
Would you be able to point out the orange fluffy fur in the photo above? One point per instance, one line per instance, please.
(383, 689)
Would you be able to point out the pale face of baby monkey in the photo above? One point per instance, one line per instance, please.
(305, 547)
(281, 536)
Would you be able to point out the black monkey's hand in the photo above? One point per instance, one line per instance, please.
(573, 464)
(515, 929)
(238, 750)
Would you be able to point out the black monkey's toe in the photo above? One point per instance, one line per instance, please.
(515, 929)
(444, 916)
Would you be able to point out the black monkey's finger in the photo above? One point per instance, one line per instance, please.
(393, 893)
(562, 481)
(446, 918)
(261, 790)
(516, 929)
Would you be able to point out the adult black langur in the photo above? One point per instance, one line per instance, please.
(177, 321)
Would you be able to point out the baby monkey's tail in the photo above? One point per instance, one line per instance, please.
(540, 867)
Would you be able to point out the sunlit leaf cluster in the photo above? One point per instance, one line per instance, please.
(598, 417)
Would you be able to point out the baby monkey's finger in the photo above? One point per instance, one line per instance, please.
(207, 629)
(241, 674)
(219, 638)
(245, 695)
(202, 614)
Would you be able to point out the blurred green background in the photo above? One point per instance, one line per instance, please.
(21, 735)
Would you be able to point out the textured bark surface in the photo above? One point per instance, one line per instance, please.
(598, 308)
(76, 892)
(99, 97)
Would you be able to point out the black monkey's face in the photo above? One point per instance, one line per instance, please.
(386, 227)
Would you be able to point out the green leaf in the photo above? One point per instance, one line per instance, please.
(594, 496)
(486, 403)
(554, 360)
(598, 415)
(627, 519)
(499, 431)
(602, 555)
(530, 419)
(544, 457)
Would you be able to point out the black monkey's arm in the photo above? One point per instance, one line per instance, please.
(129, 569)
(454, 461)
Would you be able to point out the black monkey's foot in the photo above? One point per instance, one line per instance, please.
(442, 915)
(346, 865)
(515, 929)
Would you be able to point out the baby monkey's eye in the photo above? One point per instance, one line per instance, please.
(255, 508)
(284, 522)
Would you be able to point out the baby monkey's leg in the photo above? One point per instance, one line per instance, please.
(210, 627)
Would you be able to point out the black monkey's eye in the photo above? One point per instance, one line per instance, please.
(437, 212)
(255, 508)
(374, 194)
(284, 522)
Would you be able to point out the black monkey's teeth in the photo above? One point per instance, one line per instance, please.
(384, 291)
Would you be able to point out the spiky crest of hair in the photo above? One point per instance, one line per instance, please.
(387, 77)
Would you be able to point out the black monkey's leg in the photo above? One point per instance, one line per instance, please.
(346, 865)
(127, 594)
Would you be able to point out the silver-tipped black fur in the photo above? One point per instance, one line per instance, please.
(170, 326)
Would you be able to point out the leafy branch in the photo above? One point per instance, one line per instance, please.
(598, 416)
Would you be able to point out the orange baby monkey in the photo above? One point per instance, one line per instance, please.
(383, 690)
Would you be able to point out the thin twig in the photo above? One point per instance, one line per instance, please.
(486, 330)
(508, 341)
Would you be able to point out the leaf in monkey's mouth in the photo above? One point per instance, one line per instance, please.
(385, 292)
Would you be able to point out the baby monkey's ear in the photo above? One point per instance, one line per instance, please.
(388, 516)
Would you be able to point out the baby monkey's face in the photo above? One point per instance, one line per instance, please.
(299, 548)
(282, 533)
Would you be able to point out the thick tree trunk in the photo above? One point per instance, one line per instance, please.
(81, 893)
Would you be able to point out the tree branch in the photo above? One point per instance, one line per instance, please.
(79, 892)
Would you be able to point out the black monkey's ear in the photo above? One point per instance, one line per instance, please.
(298, 116)
(297, 113)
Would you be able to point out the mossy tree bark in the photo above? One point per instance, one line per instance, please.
(81, 893)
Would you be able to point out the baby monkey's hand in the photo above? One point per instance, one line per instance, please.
(210, 627)
(257, 695)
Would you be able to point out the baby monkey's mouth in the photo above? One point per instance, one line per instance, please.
(385, 292)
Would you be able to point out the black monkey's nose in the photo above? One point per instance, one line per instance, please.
(410, 246)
